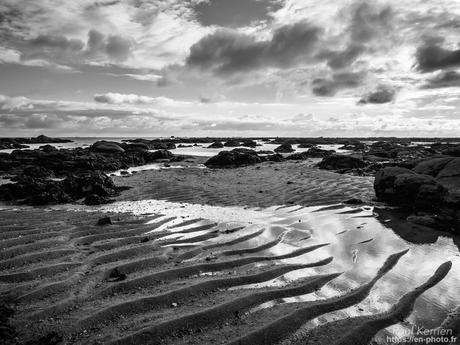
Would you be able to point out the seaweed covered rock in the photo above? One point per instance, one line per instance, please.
(107, 146)
(284, 148)
(339, 162)
(233, 159)
(404, 187)
(216, 145)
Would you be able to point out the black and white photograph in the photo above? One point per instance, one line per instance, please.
(229, 172)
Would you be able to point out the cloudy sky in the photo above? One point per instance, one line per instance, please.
(230, 67)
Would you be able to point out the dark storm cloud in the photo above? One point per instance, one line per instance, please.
(60, 49)
(444, 79)
(432, 56)
(330, 86)
(227, 51)
(380, 96)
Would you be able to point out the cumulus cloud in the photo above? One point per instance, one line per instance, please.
(118, 98)
(444, 79)
(330, 86)
(227, 51)
(431, 57)
(382, 95)
(60, 49)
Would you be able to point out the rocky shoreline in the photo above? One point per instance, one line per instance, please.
(423, 180)
(50, 176)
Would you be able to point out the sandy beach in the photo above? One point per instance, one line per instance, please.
(262, 254)
(263, 185)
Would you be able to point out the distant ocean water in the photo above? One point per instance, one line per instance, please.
(201, 150)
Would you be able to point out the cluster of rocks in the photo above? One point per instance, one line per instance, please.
(48, 175)
(429, 188)
(154, 144)
(21, 143)
(368, 160)
(233, 143)
(242, 157)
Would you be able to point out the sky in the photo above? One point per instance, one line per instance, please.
(230, 68)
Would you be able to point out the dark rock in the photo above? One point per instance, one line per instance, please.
(305, 146)
(124, 172)
(265, 152)
(48, 148)
(403, 187)
(431, 167)
(232, 159)
(452, 151)
(336, 162)
(115, 275)
(145, 239)
(249, 143)
(94, 199)
(135, 147)
(298, 156)
(107, 147)
(353, 146)
(156, 155)
(232, 143)
(38, 172)
(315, 152)
(284, 148)
(104, 221)
(277, 157)
(449, 176)
(51, 338)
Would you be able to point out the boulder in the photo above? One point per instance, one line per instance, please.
(216, 145)
(353, 146)
(284, 148)
(37, 172)
(156, 155)
(403, 187)
(305, 146)
(232, 143)
(449, 176)
(452, 151)
(431, 167)
(135, 147)
(338, 162)
(233, 159)
(249, 143)
(48, 148)
(104, 221)
(298, 156)
(94, 199)
(315, 152)
(107, 147)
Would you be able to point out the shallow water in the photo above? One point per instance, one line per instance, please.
(360, 238)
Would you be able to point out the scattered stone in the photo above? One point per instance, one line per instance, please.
(104, 221)
(284, 148)
(115, 275)
(216, 145)
(339, 162)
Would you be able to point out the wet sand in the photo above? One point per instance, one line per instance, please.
(262, 185)
(175, 272)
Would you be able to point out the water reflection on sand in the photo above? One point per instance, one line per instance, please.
(360, 238)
